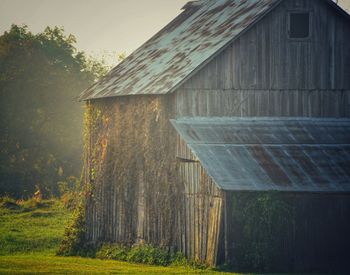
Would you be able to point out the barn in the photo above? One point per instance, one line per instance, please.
(226, 136)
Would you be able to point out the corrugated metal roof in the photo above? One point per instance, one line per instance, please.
(182, 47)
(257, 154)
(169, 57)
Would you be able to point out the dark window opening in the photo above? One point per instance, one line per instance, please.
(299, 25)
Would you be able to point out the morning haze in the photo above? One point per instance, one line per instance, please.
(100, 27)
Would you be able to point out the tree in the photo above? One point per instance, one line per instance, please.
(40, 119)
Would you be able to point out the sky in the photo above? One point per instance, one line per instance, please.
(102, 27)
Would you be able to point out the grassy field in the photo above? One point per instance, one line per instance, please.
(30, 235)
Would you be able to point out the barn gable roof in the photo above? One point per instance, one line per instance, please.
(258, 154)
(181, 48)
(164, 61)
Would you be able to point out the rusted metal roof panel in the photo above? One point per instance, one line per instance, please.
(163, 62)
(258, 154)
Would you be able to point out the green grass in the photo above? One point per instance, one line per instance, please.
(41, 263)
(38, 229)
(30, 235)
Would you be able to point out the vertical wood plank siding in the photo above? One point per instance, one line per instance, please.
(203, 203)
(143, 195)
(135, 194)
(243, 103)
(182, 150)
(264, 58)
(264, 73)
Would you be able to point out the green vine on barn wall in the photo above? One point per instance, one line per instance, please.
(95, 147)
(96, 138)
(262, 221)
(130, 164)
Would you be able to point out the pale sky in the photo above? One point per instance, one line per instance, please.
(100, 26)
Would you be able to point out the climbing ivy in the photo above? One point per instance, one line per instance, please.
(74, 241)
(261, 219)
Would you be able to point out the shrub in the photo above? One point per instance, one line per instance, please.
(113, 252)
(148, 254)
(73, 242)
(179, 259)
(70, 192)
(31, 203)
(7, 202)
(142, 253)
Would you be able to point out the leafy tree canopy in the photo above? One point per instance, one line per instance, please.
(40, 119)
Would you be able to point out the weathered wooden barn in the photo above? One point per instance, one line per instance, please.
(231, 101)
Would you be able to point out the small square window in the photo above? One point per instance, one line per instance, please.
(299, 25)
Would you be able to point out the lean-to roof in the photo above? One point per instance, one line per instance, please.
(258, 154)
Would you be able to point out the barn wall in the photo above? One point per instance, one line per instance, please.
(203, 201)
(315, 237)
(145, 185)
(264, 58)
(264, 73)
(131, 164)
(241, 103)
